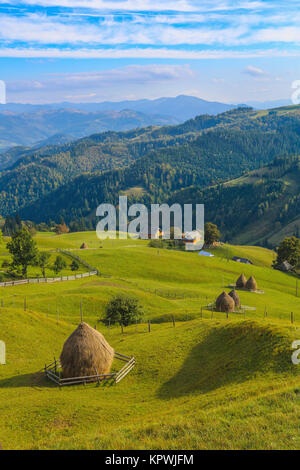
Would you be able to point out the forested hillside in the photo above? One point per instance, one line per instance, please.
(150, 164)
(262, 207)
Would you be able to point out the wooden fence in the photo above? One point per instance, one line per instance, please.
(82, 261)
(52, 372)
(46, 280)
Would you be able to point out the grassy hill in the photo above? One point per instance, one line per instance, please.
(207, 383)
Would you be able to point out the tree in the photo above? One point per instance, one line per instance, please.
(61, 228)
(122, 309)
(288, 250)
(23, 250)
(11, 225)
(211, 233)
(59, 264)
(74, 265)
(43, 261)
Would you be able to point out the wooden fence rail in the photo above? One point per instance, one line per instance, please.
(52, 372)
(82, 261)
(47, 279)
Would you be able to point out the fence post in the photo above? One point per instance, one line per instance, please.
(292, 317)
(173, 319)
(149, 326)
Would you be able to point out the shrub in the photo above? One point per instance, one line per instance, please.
(123, 310)
(59, 264)
(74, 265)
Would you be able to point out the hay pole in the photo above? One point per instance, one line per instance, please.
(292, 317)
(121, 355)
(81, 314)
(149, 326)
(97, 375)
(173, 320)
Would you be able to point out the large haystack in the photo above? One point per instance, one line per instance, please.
(225, 303)
(251, 284)
(233, 294)
(84, 352)
(241, 282)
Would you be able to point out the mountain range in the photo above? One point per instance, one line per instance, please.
(51, 124)
(28, 125)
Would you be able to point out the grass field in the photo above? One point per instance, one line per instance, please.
(208, 383)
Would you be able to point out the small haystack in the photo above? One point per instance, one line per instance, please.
(225, 303)
(236, 298)
(241, 282)
(251, 284)
(85, 353)
(84, 246)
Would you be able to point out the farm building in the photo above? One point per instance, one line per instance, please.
(205, 253)
(241, 260)
(154, 235)
(193, 240)
(286, 267)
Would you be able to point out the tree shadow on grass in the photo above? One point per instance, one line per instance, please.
(232, 354)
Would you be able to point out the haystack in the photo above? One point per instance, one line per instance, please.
(236, 298)
(225, 303)
(241, 282)
(85, 352)
(251, 284)
(84, 246)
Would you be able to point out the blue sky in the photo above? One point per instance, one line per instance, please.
(95, 50)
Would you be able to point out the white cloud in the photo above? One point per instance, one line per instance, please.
(147, 53)
(141, 74)
(289, 34)
(129, 5)
(254, 71)
(45, 30)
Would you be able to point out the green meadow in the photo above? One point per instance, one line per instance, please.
(207, 383)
